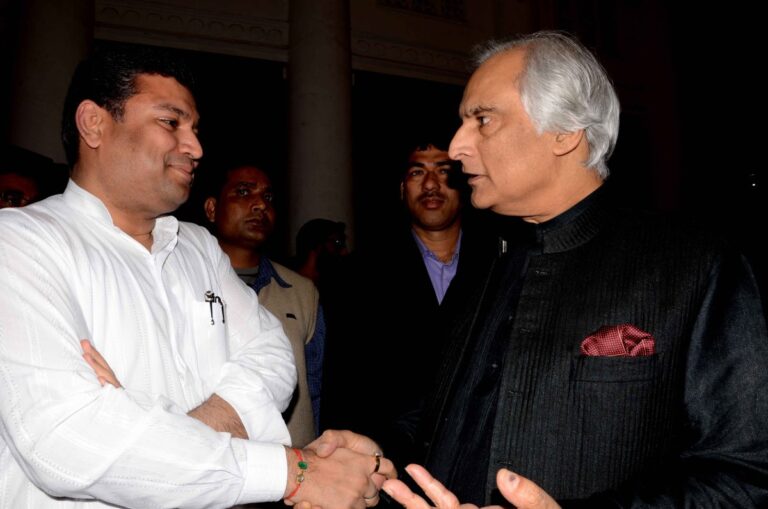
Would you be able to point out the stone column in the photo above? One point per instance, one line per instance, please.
(320, 125)
(53, 36)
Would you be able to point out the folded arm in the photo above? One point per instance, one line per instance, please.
(215, 412)
(73, 438)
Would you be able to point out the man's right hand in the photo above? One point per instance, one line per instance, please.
(344, 479)
(333, 439)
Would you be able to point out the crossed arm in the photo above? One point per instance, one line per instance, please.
(339, 447)
(215, 411)
(342, 467)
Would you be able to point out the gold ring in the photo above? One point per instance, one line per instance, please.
(377, 455)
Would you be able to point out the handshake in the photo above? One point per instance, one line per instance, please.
(348, 475)
(340, 469)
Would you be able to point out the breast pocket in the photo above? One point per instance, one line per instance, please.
(614, 369)
(210, 331)
(622, 406)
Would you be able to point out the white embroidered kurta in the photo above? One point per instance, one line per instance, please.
(67, 273)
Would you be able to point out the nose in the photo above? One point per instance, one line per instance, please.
(190, 145)
(459, 147)
(431, 180)
(258, 202)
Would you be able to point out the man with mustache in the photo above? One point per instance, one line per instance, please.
(434, 264)
(242, 215)
(422, 271)
(434, 207)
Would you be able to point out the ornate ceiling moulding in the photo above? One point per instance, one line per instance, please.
(147, 22)
(191, 28)
(372, 53)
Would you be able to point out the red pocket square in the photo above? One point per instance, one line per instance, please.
(623, 340)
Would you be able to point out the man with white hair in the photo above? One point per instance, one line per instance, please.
(615, 359)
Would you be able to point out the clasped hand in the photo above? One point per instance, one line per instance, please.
(344, 470)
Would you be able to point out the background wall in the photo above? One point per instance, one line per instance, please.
(686, 77)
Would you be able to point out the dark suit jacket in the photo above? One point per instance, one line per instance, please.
(393, 341)
(685, 427)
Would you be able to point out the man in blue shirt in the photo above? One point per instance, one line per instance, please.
(417, 276)
(434, 207)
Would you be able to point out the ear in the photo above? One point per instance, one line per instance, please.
(210, 209)
(565, 143)
(402, 191)
(90, 119)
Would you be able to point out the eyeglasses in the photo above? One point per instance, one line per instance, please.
(13, 198)
(337, 242)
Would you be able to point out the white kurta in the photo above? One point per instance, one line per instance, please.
(67, 273)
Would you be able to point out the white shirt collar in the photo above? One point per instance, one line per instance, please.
(164, 233)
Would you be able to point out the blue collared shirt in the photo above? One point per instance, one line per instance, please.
(441, 274)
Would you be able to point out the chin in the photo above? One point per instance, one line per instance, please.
(478, 203)
(173, 204)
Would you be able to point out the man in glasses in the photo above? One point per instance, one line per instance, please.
(22, 176)
(16, 189)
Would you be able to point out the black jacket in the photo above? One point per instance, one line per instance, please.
(382, 365)
(686, 427)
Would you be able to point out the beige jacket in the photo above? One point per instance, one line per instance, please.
(296, 308)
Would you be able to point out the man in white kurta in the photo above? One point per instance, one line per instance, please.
(189, 413)
(68, 273)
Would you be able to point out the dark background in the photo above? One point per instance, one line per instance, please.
(691, 139)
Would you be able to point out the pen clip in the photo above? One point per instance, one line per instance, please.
(218, 299)
(210, 298)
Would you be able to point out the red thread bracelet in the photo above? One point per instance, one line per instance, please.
(300, 476)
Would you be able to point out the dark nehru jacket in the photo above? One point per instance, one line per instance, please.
(412, 339)
(394, 341)
(684, 427)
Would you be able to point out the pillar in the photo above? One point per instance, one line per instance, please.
(320, 132)
(53, 36)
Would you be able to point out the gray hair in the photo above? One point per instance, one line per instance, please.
(564, 89)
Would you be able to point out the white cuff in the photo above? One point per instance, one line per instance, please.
(266, 471)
